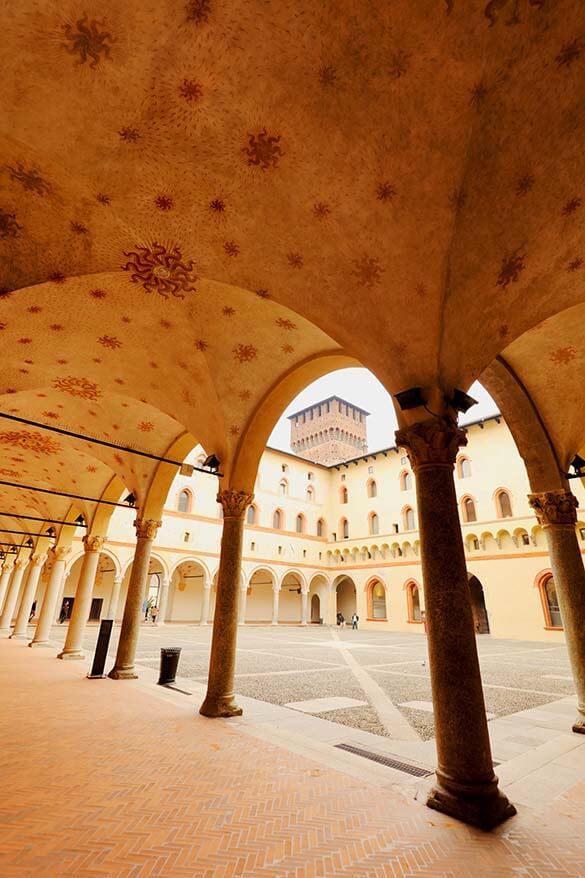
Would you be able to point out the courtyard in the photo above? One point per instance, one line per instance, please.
(373, 682)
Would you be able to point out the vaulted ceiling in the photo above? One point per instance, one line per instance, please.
(196, 197)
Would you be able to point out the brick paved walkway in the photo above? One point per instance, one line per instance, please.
(100, 778)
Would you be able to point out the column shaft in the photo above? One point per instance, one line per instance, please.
(219, 700)
(304, 607)
(163, 602)
(114, 598)
(28, 596)
(557, 513)
(275, 605)
(206, 603)
(124, 665)
(466, 786)
(73, 648)
(4, 580)
(12, 596)
(243, 605)
(47, 614)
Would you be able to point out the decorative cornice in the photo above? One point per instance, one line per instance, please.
(555, 507)
(146, 528)
(434, 442)
(93, 544)
(234, 503)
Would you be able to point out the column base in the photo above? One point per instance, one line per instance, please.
(44, 643)
(203, 623)
(222, 706)
(75, 655)
(302, 624)
(579, 725)
(122, 674)
(484, 811)
(274, 623)
(19, 636)
(4, 632)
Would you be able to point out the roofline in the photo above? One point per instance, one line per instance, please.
(323, 401)
(296, 457)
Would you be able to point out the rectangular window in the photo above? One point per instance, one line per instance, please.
(370, 470)
(320, 555)
(328, 408)
(304, 553)
(187, 537)
(280, 550)
(252, 547)
(310, 476)
(395, 528)
(343, 478)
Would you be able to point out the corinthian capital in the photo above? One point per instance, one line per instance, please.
(434, 442)
(554, 507)
(60, 553)
(93, 544)
(38, 560)
(234, 503)
(146, 528)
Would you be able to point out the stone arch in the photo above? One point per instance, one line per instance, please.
(376, 599)
(346, 595)
(186, 585)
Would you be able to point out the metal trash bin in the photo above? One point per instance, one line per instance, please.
(169, 662)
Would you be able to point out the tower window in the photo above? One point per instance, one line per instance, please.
(184, 504)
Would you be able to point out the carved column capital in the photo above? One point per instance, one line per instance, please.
(60, 553)
(93, 544)
(234, 503)
(434, 442)
(38, 560)
(22, 562)
(146, 528)
(554, 507)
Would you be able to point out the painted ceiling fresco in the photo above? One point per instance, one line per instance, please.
(197, 196)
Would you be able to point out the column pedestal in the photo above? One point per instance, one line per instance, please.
(124, 665)
(28, 595)
(275, 604)
(47, 614)
(466, 787)
(556, 512)
(219, 701)
(73, 648)
(206, 604)
(12, 596)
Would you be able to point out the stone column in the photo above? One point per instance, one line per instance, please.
(12, 595)
(556, 512)
(162, 602)
(7, 569)
(124, 665)
(73, 648)
(206, 603)
(54, 585)
(219, 700)
(304, 606)
(28, 596)
(466, 787)
(243, 604)
(114, 598)
(275, 603)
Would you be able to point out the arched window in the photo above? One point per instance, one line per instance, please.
(463, 467)
(468, 508)
(251, 515)
(413, 602)
(277, 519)
(405, 481)
(408, 518)
(309, 495)
(503, 504)
(372, 488)
(283, 487)
(300, 523)
(550, 603)
(377, 600)
(184, 504)
(374, 524)
(321, 528)
(344, 528)
(343, 495)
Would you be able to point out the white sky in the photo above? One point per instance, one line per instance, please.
(363, 389)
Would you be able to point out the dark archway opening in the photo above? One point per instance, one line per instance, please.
(478, 608)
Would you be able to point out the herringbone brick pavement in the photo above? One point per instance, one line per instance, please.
(99, 778)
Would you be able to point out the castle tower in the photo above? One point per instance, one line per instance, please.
(329, 431)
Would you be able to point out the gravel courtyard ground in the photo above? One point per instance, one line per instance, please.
(382, 672)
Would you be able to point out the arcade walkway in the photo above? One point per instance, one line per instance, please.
(123, 779)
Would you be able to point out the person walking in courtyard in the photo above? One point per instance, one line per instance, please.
(145, 609)
(154, 614)
(64, 614)
(33, 610)
(354, 621)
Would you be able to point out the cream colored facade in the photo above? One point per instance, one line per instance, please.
(292, 576)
